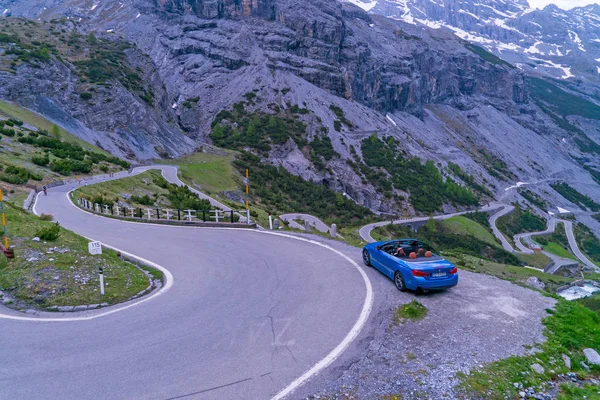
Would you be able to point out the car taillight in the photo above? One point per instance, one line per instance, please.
(416, 272)
(453, 271)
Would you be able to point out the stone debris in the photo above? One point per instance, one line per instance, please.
(36, 239)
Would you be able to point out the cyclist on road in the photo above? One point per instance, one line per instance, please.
(45, 191)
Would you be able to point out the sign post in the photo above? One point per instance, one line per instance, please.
(270, 222)
(8, 252)
(247, 182)
(95, 248)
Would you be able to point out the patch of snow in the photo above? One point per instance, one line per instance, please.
(137, 16)
(533, 49)
(596, 40)
(390, 119)
(110, 30)
(518, 185)
(94, 7)
(365, 6)
(5, 11)
(469, 14)
(598, 68)
(551, 213)
(174, 106)
(575, 38)
(562, 210)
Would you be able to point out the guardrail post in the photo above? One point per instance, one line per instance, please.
(157, 214)
(105, 208)
(231, 214)
(306, 226)
(112, 211)
(148, 212)
(203, 215)
(168, 211)
(333, 231)
(178, 215)
(117, 210)
(140, 212)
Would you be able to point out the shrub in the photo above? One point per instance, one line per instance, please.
(104, 168)
(41, 160)
(47, 217)
(63, 167)
(144, 200)
(85, 96)
(49, 233)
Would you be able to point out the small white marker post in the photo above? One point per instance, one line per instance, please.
(270, 222)
(248, 217)
(216, 215)
(148, 212)
(168, 211)
(105, 209)
(132, 210)
(101, 273)
(98, 208)
(96, 248)
(117, 210)
(189, 214)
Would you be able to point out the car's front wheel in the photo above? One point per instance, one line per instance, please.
(399, 282)
(366, 258)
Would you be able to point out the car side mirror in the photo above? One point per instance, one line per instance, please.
(378, 247)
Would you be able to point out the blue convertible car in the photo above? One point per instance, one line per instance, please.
(411, 264)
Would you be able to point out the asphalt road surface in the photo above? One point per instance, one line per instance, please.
(247, 314)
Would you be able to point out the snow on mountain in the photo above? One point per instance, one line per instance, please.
(554, 42)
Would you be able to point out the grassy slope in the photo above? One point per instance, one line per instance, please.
(56, 278)
(465, 226)
(214, 173)
(13, 110)
(558, 250)
(137, 185)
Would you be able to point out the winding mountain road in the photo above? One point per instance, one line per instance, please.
(504, 209)
(244, 317)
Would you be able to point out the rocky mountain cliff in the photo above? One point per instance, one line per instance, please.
(559, 43)
(345, 75)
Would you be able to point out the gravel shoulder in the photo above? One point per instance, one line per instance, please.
(481, 320)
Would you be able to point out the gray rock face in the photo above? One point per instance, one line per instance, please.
(592, 356)
(561, 43)
(420, 86)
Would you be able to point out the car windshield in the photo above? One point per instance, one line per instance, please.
(409, 249)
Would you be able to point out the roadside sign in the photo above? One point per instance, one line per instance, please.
(95, 247)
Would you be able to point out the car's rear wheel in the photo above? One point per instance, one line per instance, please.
(366, 258)
(399, 282)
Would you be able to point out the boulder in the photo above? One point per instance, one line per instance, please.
(535, 283)
(537, 368)
(592, 356)
(567, 361)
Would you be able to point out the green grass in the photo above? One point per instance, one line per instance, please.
(138, 185)
(535, 260)
(507, 272)
(55, 279)
(569, 329)
(558, 250)
(465, 226)
(413, 311)
(213, 172)
(13, 110)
